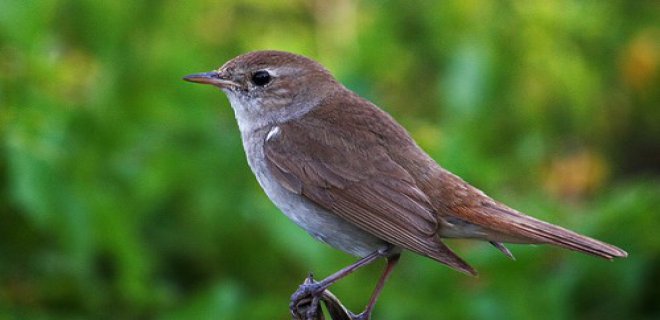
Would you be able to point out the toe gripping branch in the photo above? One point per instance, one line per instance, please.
(305, 302)
(306, 308)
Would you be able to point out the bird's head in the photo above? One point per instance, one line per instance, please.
(266, 87)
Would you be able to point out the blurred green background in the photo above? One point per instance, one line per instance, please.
(125, 193)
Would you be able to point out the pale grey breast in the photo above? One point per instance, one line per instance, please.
(318, 222)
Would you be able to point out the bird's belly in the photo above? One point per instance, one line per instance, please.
(317, 221)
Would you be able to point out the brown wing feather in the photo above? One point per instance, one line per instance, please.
(354, 177)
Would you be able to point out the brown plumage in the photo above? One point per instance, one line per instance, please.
(351, 176)
(402, 198)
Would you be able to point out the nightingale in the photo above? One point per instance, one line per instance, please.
(347, 173)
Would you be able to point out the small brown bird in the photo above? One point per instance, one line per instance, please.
(351, 176)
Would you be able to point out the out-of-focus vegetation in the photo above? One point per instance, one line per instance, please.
(125, 192)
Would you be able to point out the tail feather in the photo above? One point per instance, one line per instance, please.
(524, 228)
(440, 252)
(503, 249)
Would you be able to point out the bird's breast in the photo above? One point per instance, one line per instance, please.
(317, 221)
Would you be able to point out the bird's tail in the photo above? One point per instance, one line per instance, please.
(512, 226)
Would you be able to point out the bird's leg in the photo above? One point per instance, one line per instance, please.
(391, 262)
(315, 289)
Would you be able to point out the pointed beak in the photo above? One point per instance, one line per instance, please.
(215, 78)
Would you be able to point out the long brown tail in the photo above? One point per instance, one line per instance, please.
(523, 228)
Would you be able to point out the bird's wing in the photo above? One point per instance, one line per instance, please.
(352, 175)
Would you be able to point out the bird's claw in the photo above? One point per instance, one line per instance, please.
(305, 301)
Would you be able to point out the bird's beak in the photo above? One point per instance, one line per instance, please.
(215, 78)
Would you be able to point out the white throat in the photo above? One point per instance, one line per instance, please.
(251, 115)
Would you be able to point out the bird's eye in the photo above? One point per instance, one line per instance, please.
(261, 78)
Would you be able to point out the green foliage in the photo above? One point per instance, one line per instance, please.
(125, 192)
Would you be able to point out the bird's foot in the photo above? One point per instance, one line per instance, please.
(305, 301)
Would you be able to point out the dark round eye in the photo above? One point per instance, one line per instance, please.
(261, 78)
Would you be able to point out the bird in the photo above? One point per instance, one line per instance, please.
(346, 172)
